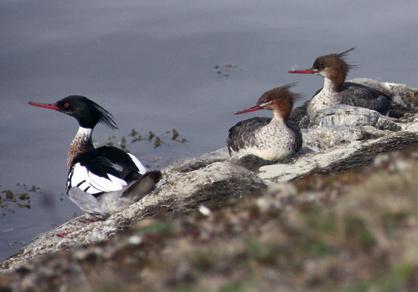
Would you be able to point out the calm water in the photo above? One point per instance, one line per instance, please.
(151, 63)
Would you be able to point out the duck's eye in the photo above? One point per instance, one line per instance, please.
(321, 66)
(66, 104)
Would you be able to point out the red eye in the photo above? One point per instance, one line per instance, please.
(66, 105)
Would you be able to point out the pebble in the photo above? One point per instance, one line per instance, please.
(135, 240)
(205, 211)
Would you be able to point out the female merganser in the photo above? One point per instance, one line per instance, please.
(270, 139)
(105, 179)
(335, 91)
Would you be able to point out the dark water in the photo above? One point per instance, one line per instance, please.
(151, 63)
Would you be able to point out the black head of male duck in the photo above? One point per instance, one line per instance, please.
(85, 111)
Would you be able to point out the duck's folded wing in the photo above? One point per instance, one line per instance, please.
(106, 169)
(117, 157)
(242, 133)
(80, 176)
(364, 96)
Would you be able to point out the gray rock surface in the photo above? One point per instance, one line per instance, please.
(343, 123)
(349, 116)
(345, 156)
(404, 100)
(340, 138)
(183, 188)
(401, 94)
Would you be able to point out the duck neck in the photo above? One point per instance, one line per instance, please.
(282, 109)
(278, 117)
(333, 82)
(81, 144)
(330, 85)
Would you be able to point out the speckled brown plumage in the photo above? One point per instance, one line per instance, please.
(78, 146)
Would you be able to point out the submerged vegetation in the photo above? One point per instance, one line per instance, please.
(156, 140)
(225, 70)
(20, 197)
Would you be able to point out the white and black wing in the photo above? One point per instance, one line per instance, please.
(105, 169)
(242, 135)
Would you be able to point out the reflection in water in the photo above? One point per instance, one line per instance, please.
(151, 63)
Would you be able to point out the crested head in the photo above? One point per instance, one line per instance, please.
(333, 66)
(280, 100)
(85, 111)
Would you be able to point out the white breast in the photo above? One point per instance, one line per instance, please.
(325, 98)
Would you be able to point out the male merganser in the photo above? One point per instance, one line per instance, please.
(335, 91)
(270, 139)
(105, 179)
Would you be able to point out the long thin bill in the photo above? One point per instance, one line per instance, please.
(307, 71)
(44, 105)
(249, 110)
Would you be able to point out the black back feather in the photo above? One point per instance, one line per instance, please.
(110, 160)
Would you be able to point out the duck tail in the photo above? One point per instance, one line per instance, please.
(143, 186)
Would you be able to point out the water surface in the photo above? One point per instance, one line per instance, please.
(151, 63)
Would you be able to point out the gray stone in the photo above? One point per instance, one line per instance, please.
(349, 116)
(345, 156)
(401, 94)
(343, 123)
(326, 137)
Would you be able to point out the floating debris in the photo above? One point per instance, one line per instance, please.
(175, 134)
(27, 206)
(24, 197)
(20, 198)
(152, 138)
(133, 133)
(34, 189)
(225, 70)
(123, 142)
(136, 136)
(9, 195)
(157, 142)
